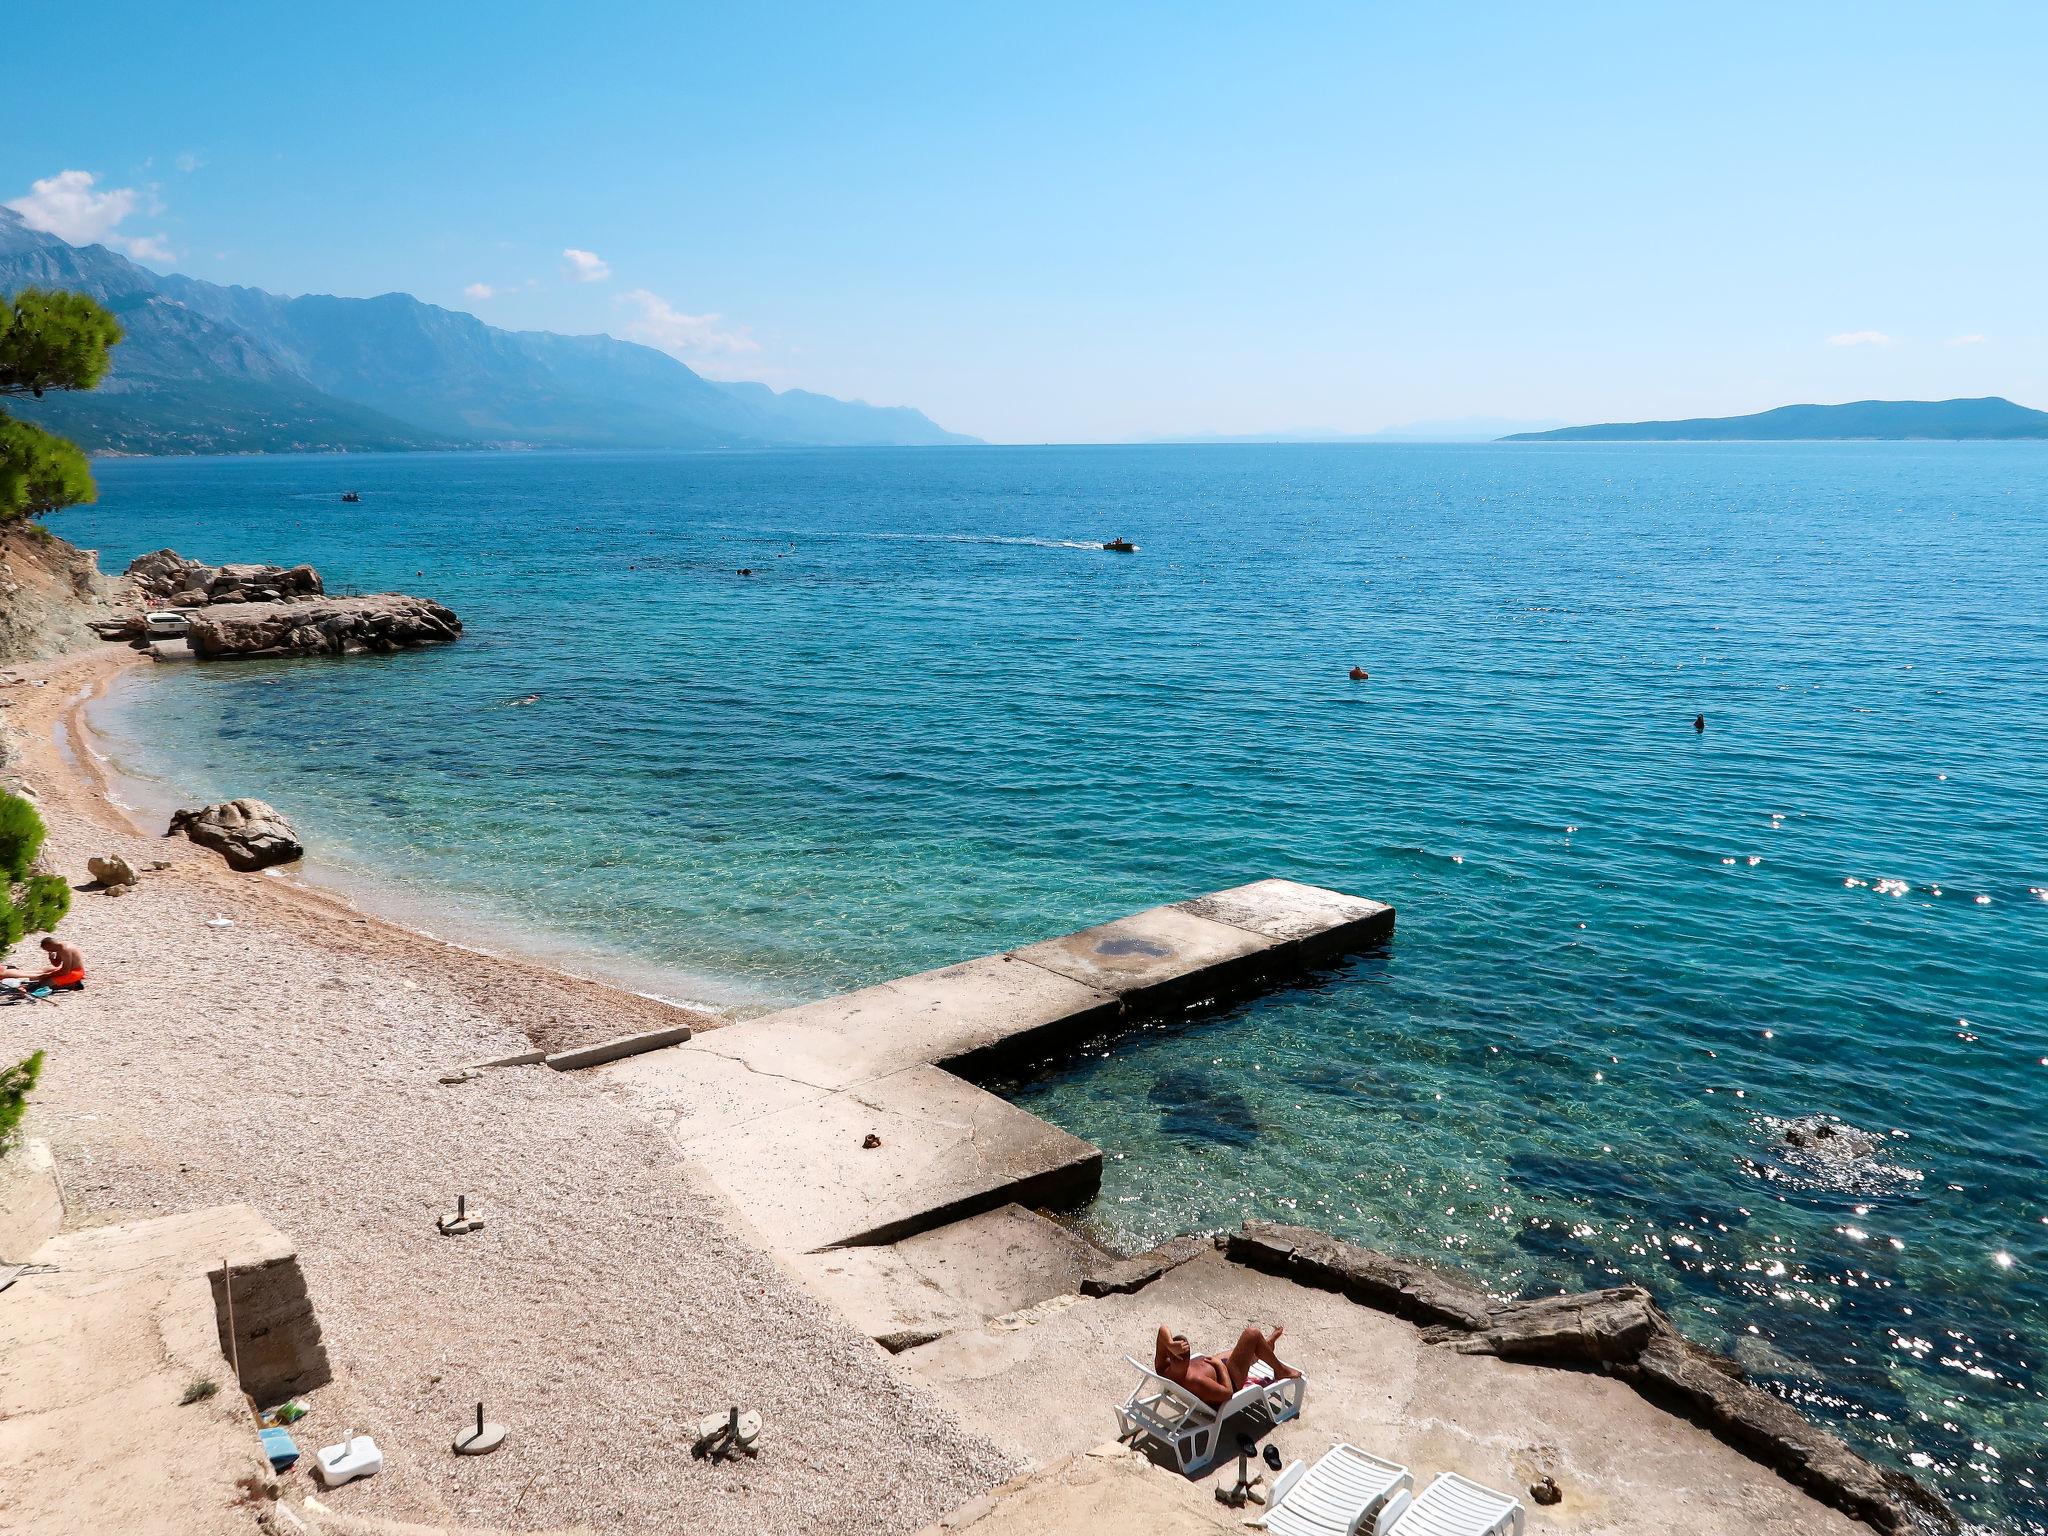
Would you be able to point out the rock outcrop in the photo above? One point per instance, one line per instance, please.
(344, 626)
(1619, 1332)
(271, 610)
(166, 577)
(247, 833)
(1419, 1292)
(50, 594)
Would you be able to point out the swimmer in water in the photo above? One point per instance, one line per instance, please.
(1359, 674)
(1699, 723)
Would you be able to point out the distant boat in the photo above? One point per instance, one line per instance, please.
(1121, 547)
(350, 496)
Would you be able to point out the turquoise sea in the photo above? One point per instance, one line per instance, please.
(939, 720)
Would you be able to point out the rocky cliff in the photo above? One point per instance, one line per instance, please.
(51, 592)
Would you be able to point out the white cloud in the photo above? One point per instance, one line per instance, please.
(187, 162)
(147, 248)
(1972, 339)
(479, 291)
(65, 205)
(70, 206)
(689, 337)
(586, 266)
(1860, 339)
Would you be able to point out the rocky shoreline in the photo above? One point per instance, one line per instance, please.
(239, 612)
(1620, 1332)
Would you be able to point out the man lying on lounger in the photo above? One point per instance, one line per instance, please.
(66, 968)
(1215, 1379)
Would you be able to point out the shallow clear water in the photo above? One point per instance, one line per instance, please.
(937, 721)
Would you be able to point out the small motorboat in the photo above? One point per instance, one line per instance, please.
(1121, 547)
(351, 496)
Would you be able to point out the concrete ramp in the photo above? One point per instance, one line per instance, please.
(778, 1111)
(99, 1342)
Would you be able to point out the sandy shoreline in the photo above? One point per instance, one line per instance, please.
(292, 1060)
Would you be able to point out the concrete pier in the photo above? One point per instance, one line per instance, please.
(777, 1111)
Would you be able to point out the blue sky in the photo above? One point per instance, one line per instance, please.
(1045, 222)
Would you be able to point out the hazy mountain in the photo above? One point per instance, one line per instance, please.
(1989, 417)
(207, 368)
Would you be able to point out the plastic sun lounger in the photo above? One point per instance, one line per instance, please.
(1188, 1429)
(1338, 1496)
(1451, 1506)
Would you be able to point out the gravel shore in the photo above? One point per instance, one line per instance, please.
(291, 1060)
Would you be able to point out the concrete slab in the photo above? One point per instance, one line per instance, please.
(776, 1106)
(94, 1359)
(1152, 958)
(1047, 1391)
(1310, 917)
(956, 1276)
(31, 1200)
(1108, 1492)
(949, 1150)
(708, 1085)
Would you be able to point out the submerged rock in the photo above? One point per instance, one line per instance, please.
(1830, 1138)
(247, 833)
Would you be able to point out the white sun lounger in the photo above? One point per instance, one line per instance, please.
(1338, 1496)
(1188, 1429)
(1451, 1506)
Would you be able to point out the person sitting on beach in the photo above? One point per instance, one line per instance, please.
(1215, 1379)
(66, 967)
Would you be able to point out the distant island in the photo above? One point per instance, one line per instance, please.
(212, 369)
(1867, 420)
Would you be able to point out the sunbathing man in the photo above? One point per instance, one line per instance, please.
(1215, 1379)
(66, 967)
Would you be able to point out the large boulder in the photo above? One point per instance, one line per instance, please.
(247, 833)
(112, 871)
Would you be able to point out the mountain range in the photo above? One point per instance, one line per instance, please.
(210, 369)
(1895, 420)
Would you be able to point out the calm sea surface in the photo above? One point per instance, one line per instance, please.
(939, 721)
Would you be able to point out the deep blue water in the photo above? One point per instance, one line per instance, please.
(937, 721)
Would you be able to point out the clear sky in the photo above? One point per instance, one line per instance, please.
(1048, 222)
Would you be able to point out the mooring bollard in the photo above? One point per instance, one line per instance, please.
(461, 1221)
(480, 1440)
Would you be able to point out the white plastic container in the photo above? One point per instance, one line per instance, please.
(355, 1457)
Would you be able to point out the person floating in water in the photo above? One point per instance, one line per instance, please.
(1699, 723)
(1359, 674)
(1215, 1379)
